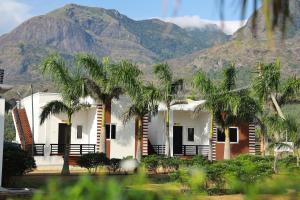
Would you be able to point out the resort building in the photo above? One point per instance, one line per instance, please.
(189, 133)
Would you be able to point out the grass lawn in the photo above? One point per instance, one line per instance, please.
(160, 182)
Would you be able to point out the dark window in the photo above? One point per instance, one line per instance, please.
(110, 131)
(233, 135)
(79, 132)
(220, 135)
(107, 131)
(113, 132)
(190, 134)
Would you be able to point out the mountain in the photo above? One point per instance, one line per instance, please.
(247, 47)
(73, 29)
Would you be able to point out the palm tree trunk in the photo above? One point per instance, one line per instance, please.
(262, 143)
(168, 132)
(103, 134)
(66, 169)
(275, 162)
(227, 151)
(138, 153)
(297, 156)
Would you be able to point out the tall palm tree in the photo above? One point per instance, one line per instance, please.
(273, 93)
(169, 88)
(226, 103)
(105, 81)
(143, 103)
(100, 83)
(69, 86)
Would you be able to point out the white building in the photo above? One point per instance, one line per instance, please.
(189, 135)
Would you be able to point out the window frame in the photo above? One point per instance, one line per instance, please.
(193, 134)
(110, 131)
(237, 137)
(79, 138)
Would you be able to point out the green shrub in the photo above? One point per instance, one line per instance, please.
(199, 161)
(114, 164)
(171, 163)
(16, 162)
(151, 162)
(92, 161)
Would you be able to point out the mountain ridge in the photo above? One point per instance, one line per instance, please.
(73, 29)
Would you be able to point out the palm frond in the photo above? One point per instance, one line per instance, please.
(53, 107)
(229, 82)
(202, 83)
(291, 91)
(91, 65)
(163, 72)
(54, 67)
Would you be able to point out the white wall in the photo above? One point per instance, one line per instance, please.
(156, 131)
(2, 111)
(124, 144)
(47, 133)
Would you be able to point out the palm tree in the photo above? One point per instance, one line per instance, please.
(273, 93)
(69, 87)
(168, 88)
(280, 131)
(226, 103)
(143, 104)
(100, 83)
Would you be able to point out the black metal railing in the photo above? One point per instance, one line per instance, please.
(159, 149)
(185, 150)
(192, 150)
(74, 149)
(39, 149)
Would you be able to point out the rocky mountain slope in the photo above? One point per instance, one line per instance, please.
(102, 32)
(246, 49)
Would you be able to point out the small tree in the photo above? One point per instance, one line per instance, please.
(144, 103)
(226, 103)
(70, 87)
(168, 88)
(273, 93)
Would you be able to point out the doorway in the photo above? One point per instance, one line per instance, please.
(62, 139)
(177, 140)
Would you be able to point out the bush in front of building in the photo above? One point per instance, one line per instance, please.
(16, 162)
(92, 161)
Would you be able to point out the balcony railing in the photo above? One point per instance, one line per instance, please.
(74, 149)
(191, 150)
(38, 149)
(159, 149)
(186, 150)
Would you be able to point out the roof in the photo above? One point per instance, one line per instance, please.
(187, 105)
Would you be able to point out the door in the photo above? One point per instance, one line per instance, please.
(177, 140)
(62, 128)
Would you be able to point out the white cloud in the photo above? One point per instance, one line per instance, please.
(229, 27)
(13, 13)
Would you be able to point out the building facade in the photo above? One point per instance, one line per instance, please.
(189, 133)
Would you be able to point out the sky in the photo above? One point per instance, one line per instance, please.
(185, 13)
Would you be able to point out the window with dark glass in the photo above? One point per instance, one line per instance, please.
(113, 132)
(110, 131)
(233, 135)
(190, 134)
(79, 132)
(107, 131)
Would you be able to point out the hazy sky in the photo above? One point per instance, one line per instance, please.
(185, 13)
